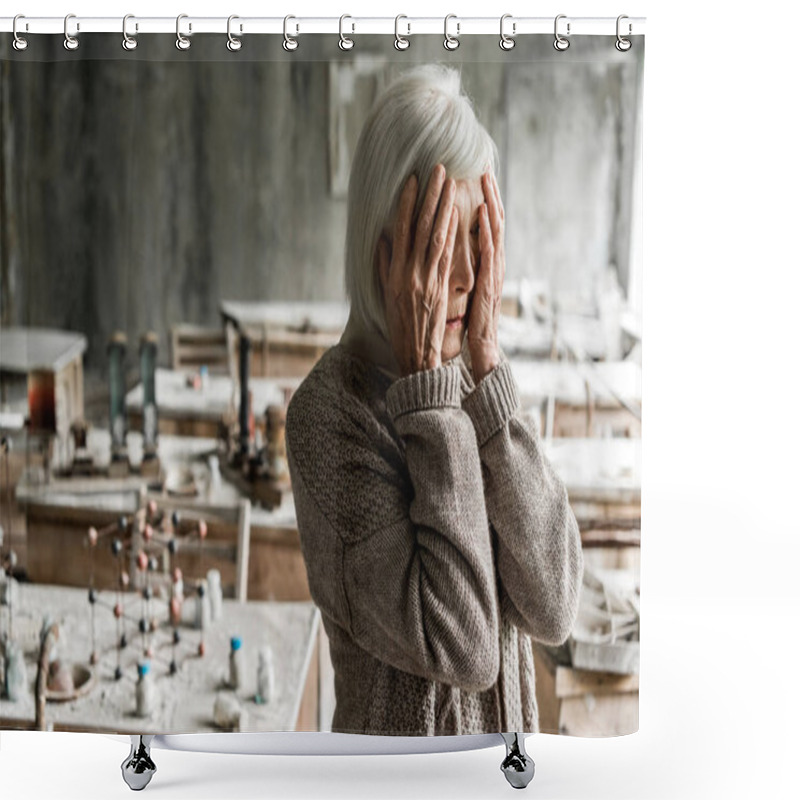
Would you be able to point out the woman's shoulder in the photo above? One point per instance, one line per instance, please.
(339, 440)
(341, 390)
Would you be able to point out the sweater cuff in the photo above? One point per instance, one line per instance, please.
(432, 388)
(493, 402)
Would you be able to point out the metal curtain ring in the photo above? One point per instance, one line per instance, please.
(128, 42)
(451, 42)
(289, 43)
(234, 42)
(507, 42)
(622, 44)
(400, 42)
(182, 42)
(70, 42)
(19, 42)
(560, 42)
(344, 42)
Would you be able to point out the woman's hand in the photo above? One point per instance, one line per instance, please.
(415, 273)
(485, 309)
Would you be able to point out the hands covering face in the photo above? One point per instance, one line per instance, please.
(422, 275)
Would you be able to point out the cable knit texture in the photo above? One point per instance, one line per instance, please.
(437, 539)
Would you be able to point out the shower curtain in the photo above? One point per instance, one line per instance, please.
(321, 385)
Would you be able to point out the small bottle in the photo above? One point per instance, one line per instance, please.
(176, 601)
(202, 616)
(215, 593)
(215, 475)
(265, 680)
(235, 670)
(16, 676)
(145, 690)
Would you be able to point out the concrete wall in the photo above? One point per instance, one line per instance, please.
(137, 189)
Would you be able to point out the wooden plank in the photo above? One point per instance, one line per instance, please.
(548, 703)
(169, 425)
(308, 713)
(583, 703)
(599, 715)
(611, 537)
(243, 551)
(25, 349)
(195, 345)
(327, 688)
(571, 682)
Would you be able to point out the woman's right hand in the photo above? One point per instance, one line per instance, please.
(415, 273)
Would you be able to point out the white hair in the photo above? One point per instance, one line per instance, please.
(422, 119)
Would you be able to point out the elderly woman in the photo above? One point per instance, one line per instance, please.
(437, 538)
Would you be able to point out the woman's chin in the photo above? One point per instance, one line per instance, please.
(451, 345)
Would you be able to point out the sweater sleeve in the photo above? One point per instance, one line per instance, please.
(415, 571)
(539, 555)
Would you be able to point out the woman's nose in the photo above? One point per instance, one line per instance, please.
(462, 276)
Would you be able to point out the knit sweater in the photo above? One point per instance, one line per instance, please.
(437, 540)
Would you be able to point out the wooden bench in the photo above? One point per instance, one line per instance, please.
(194, 346)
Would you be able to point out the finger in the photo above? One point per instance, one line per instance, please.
(486, 271)
(441, 231)
(446, 261)
(496, 188)
(428, 212)
(500, 245)
(438, 320)
(491, 202)
(402, 224)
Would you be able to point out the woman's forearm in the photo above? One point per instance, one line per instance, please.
(397, 544)
(452, 584)
(539, 550)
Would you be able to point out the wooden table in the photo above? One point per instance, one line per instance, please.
(298, 316)
(186, 411)
(286, 338)
(186, 699)
(23, 352)
(582, 399)
(603, 480)
(578, 702)
(603, 476)
(60, 353)
(60, 512)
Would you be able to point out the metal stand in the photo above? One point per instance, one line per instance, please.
(138, 768)
(518, 766)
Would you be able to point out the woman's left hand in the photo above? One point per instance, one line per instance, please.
(485, 310)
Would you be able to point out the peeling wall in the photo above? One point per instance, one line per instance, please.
(137, 189)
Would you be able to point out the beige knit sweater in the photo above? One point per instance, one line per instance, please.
(437, 539)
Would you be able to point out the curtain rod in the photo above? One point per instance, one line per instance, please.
(348, 25)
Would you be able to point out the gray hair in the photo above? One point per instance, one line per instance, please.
(422, 119)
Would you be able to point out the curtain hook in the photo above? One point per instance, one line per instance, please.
(19, 42)
(622, 44)
(128, 42)
(182, 42)
(507, 42)
(401, 42)
(234, 42)
(451, 42)
(560, 42)
(344, 42)
(70, 42)
(289, 42)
